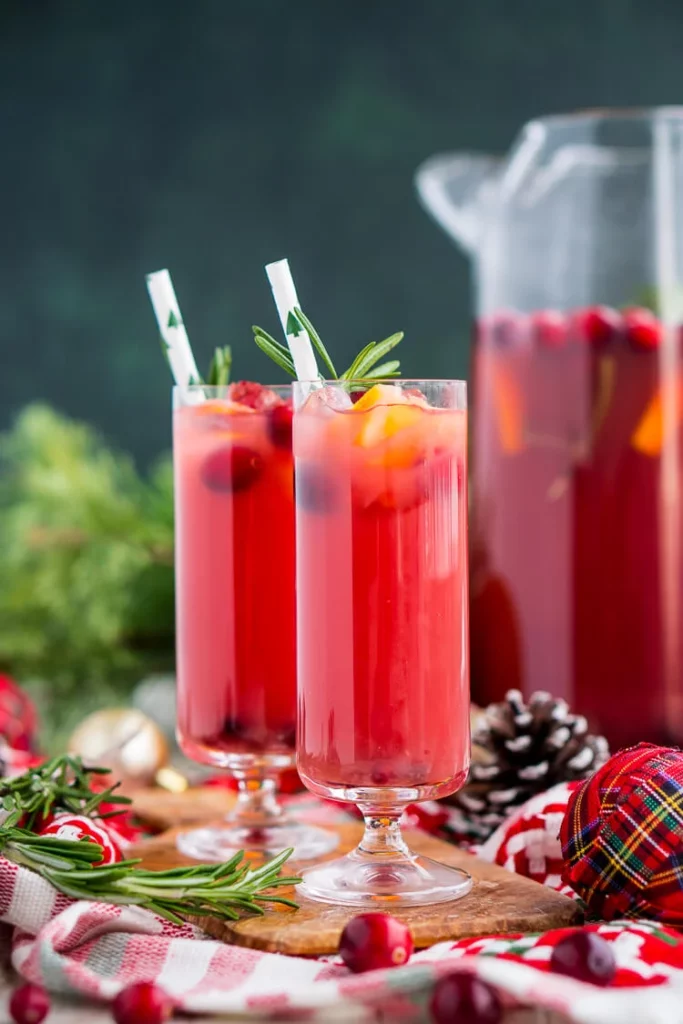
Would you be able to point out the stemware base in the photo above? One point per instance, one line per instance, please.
(221, 842)
(360, 879)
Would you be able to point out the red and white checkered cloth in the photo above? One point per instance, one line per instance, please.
(95, 950)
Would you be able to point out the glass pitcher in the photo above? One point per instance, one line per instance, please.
(577, 556)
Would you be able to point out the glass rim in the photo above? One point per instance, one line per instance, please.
(222, 387)
(381, 380)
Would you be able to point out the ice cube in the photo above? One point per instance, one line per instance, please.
(328, 399)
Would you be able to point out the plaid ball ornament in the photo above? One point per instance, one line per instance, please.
(622, 836)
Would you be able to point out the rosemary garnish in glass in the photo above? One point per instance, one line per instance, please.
(365, 366)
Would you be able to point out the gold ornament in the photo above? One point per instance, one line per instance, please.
(130, 744)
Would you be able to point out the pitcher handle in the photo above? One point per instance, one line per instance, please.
(451, 187)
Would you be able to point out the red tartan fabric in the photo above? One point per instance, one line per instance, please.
(622, 836)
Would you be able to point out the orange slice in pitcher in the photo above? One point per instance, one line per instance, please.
(648, 437)
(509, 411)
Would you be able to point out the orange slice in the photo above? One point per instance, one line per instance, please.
(379, 394)
(385, 421)
(509, 411)
(221, 407)
(648, 437)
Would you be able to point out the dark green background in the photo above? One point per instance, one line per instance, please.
(213, 136)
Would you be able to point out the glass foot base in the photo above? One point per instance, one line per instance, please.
(220, 843)
(360, 880)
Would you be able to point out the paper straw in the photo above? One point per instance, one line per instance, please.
(299, 343)
(172, 328)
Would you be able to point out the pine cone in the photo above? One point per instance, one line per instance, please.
(522, 749)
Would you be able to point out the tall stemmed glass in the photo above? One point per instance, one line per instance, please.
(382, 622)
(235, 611)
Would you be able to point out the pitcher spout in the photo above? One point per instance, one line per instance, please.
(455, 188)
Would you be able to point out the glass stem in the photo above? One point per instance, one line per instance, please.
(382, 837)
(257, 804)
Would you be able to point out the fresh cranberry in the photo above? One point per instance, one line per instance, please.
(231, 469)
(643, 329)
(29, 1004)
(280, 426)
(585, 956)
(464, 999)
(253, 395)
(597, 326)
(315, 491)
(142, 1003)
(549, 328)
(372, 941)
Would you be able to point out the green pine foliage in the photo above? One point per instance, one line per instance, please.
(86, 561)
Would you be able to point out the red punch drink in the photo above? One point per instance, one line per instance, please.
(382, 620)
(235, 577)
(235, 606)
(577, 564)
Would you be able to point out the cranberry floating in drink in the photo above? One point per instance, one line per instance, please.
(577, 481)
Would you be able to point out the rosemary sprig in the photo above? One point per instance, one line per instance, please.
(274, 350)
(365, 366)
(220, 366)
(59, 785)
(220, 890)
(299, 318)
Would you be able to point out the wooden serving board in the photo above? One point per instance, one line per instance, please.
(500, 902)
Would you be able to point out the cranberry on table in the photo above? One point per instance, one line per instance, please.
(29, 1004)
(232, 468)
(372, 941)
(584, 956)
(643, 329)
(142, 1003)
(464, 999)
